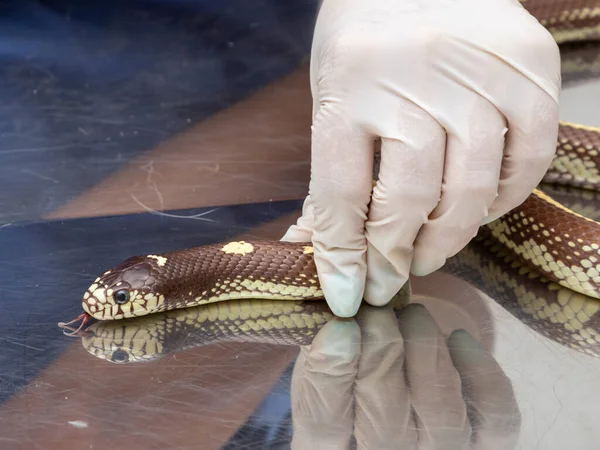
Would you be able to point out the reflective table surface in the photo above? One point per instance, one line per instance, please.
(133, 128)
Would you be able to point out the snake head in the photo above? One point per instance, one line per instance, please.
(126, 291)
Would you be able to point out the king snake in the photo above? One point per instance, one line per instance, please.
(542, 234)
(559, 314)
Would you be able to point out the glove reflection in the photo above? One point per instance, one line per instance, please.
(381, 381)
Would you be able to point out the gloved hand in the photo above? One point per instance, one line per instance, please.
(463, 95)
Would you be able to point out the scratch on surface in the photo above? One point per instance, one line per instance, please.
(558, 413)
(199, 216)
(47, 148)
(149, 169)
(21, 344)
(78, 423)
(39, 175)
(214, 169)
(45, 71)
(83, 275)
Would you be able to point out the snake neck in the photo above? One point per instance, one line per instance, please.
(239, 270)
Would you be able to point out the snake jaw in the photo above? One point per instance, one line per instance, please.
(84, 317)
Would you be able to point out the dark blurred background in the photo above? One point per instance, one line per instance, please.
(86, 85)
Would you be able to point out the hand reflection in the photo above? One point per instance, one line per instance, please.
(392, 381)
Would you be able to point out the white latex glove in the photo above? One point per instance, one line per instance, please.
(464, 97)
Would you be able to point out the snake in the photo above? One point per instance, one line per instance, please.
(558, 314)
(542, 234)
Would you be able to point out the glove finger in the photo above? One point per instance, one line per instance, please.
(471, 171)
(488, 392)
(301, 231)
(523, 83)
(435, 385)
(531, 74)
(340, 190)
(322, 388)
(383, 409)
(408, 189)
(529, 150)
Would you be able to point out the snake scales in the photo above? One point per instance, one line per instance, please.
(557, 313)
(543, 234)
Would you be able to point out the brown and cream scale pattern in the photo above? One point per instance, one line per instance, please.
(563, 245)
(196, 276)
(567, 20)
(577, 158)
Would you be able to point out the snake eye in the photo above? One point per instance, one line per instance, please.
(121, 297)
(120, 356)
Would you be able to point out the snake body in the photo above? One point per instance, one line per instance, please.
(557, 313)
(543, 234)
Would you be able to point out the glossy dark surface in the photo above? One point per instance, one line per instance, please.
(117, 110)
